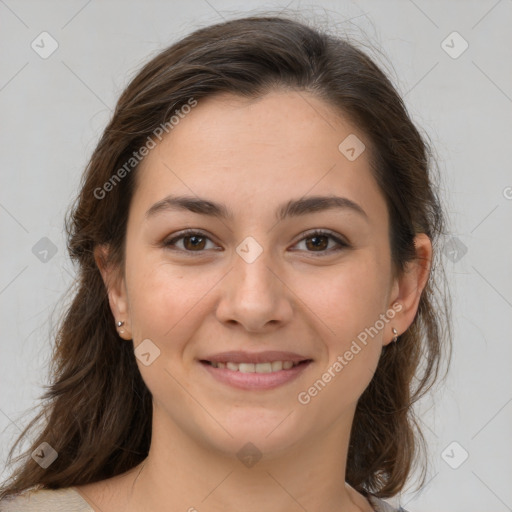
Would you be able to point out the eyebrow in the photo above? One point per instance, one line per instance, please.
(292, 208)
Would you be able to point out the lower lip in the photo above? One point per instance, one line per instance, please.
(255, 381)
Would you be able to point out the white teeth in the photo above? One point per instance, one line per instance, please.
(274, 366)
(246, 367)
(277, 366)
(263, 367)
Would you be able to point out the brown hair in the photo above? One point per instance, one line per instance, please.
(97, 414)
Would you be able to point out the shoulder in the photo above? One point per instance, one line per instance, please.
(46, 500)
(382, 506)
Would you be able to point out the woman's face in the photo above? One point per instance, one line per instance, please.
(253, 280)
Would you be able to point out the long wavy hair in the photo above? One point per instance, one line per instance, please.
(97, 410)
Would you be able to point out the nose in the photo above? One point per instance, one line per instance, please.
(255, 296)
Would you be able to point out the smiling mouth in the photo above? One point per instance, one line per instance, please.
(268, 367)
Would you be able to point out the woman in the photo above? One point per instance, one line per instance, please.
(256, 238)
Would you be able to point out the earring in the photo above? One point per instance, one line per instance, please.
(395, 335)
(120, 324)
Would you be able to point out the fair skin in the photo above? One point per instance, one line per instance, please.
(253, 156)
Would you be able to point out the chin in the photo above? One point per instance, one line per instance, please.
(269, 432)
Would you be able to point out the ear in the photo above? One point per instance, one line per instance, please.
(116, 290)
(407, 288)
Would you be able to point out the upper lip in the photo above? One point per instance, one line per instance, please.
(254, 357)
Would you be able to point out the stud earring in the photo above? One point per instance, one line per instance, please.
(395, 335)
(120, 324)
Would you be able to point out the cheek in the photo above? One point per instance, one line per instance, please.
(352, 296)
(352, 348)
(163, 297)
(165, 307)
(350, 305)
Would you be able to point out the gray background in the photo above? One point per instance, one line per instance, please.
(53, 110)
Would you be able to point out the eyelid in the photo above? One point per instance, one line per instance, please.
(322, 231)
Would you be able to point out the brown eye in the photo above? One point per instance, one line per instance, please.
(315, 242)
(318, 241)
(193, 241)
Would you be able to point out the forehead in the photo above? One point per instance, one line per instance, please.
(251, 153)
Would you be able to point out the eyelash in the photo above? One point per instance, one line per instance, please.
(319, 232)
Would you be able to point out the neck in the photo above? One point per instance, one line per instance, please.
(183, 473)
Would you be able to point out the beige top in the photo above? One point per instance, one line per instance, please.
(46, 500)
(69, 500)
